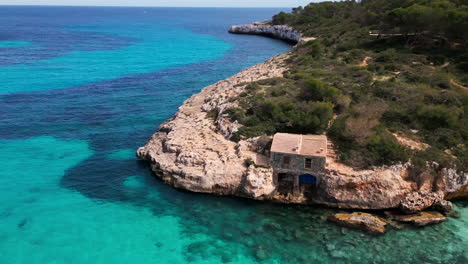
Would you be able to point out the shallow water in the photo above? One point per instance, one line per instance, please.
(82, 88)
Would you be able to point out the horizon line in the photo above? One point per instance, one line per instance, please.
(154, 6)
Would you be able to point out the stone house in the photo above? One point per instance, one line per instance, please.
(298, 161)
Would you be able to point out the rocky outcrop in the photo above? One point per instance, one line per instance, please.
(192, 151)
(418, 201)
(367, 189)
(454, 184)
(421, 218)
(283, 32)
(367, 222)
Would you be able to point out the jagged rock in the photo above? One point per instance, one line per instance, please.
(443, 206)
(258, 182)
(226, 127)
(368, 222)
(454, 184)
(277, 31)
(419, 201)
(377, 189)
(422, 218)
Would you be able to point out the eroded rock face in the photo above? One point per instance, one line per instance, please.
(266, 29)
(421, 200)
(367, 222)
(418, 201)
(372, 189)
(454, 184)
(443, 206)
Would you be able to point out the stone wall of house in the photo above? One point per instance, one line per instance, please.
(297, 163)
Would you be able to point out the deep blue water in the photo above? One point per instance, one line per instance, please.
(83, 87)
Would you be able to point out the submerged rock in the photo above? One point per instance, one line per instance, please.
(422, 218)
(368, 222)
(261, 254)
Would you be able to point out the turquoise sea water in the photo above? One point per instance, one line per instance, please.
(14, 44)
(82, 88)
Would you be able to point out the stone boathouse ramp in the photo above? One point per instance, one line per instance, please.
(192, 151)
(267, 29)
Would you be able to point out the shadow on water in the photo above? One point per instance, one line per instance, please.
(238, 227)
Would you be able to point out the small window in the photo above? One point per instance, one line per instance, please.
(308, 163)
(286, 160)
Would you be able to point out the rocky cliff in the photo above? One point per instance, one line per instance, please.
(191, 151)
(266, 29)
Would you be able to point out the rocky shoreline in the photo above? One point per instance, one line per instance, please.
(282, 32)
(192, 151)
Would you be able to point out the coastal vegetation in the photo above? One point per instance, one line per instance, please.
(378, 69)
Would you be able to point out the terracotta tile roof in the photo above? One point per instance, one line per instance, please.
(307, 145)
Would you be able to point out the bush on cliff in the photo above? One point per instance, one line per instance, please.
(364, 85)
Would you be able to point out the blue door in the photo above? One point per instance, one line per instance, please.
(307, 179)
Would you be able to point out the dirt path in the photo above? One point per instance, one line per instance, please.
(410, 143)
(452, 81)
(365, 62)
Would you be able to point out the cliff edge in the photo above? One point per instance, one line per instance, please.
(282, 32)
(192, 151)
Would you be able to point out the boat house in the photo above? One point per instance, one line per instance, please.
(298, 161)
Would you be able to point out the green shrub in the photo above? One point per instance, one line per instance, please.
(436, 155)
(316, 49)
(235, 114)
(438, 116)
(386, 149)
(252, 121)
(213, 114)
(437, 59)
(315, 90)
(444, 138)
(388, 55)
(441, 80)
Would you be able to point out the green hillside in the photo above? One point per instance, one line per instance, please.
(378, 67)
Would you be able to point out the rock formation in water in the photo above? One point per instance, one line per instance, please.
(192, 151)
(267, 29)
(368, 222)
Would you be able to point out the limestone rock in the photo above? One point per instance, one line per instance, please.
(454, 184)
(422, 218)
(443, 206)
(372, 189)
(259, 182)
(277, 31)
(418, 201)
(368, 222)
(191, 151)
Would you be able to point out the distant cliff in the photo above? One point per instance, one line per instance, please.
(266, 29)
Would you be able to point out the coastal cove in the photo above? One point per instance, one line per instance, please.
(73, 190)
